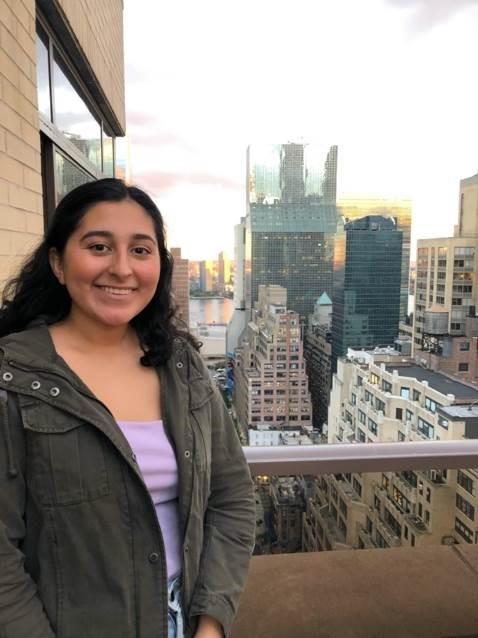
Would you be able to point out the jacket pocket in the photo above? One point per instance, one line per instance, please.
(65, 457)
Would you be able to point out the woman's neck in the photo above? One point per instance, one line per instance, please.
(84, 334)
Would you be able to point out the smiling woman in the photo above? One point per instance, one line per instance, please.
(134, 466)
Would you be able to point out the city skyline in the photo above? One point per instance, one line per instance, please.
(382, 84)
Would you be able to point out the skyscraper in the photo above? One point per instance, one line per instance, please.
(291, 222)
(271, 382)
(180, 284)
(356, 206)
(445, 328)
(367, 275)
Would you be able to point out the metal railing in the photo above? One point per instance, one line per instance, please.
(361, 457)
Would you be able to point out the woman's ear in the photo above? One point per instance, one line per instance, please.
(56, 265)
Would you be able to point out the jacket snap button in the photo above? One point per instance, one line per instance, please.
(179, 364)
(7, 376)
(153, 557)
(186, 548)
(55, 391)
(35, 385)
(133, 456)
(187, 454)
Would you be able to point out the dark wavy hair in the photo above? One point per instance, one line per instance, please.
(35, 292)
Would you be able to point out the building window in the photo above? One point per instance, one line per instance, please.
(416, 395)
(431, 405)
(357, 487)
(426, 428)
(442, 422)
(464, 506)
(405, 392)
(386, 386)
(408, 415)
(465, 481)
(399, 413)
(77, 142)
(372, 426)
(464, 531)
(379, 405)
(462, 367)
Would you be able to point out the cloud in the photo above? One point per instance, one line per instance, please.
(145, 130)
(158, 181)
(427, 14)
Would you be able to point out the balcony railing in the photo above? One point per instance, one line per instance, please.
(362, 457)
(428, 591)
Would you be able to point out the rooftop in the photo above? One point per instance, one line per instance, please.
(426, 592)
(459, 412)
(437, 381)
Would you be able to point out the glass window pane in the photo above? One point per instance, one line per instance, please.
(74, 119)
(108, 157)
(68, 176)
(43, 82)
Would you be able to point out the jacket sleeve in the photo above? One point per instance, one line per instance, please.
(229, 524)
(21, 611)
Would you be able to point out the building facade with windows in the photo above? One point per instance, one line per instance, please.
(318, 356)
(367, 276)
(378, 401)
(62, 102)
(445, 327)
(352, 207)
(180, 284)
(271, 384)
(291, 222)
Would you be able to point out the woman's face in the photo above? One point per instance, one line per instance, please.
(110, 264)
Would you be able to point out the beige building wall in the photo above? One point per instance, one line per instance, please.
(468, 207)
(21, 211)
(437, 274)
(97, 27)
(375, 402)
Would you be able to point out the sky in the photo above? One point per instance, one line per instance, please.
(391, 82)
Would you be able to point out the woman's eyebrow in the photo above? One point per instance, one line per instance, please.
(109, 235)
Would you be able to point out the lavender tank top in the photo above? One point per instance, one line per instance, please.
(157, 462)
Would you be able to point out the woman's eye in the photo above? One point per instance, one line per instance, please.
(141, 250)
(98, 248)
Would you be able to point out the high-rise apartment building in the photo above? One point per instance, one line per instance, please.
(352, 207)
(223, 272)
(318, 356)
(291, 222)
(62, 78)
(270, 380)
(367, 275)
(180, 284)
(445, 328)
(379, 398)
(206, 275)
(239, 318)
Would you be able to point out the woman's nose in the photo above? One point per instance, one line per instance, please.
(120, 263)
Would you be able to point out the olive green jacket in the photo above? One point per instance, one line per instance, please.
(81, 550)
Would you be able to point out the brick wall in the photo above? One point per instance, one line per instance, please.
(21, 212)
(98, 26)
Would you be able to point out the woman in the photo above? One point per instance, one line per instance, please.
(126, 504)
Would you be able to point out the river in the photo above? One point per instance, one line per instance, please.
(210, 311)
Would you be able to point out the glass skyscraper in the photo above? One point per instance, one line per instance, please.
(367, 277)
(291, 222)
(355, 207)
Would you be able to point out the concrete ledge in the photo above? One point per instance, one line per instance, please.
(380, 593)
